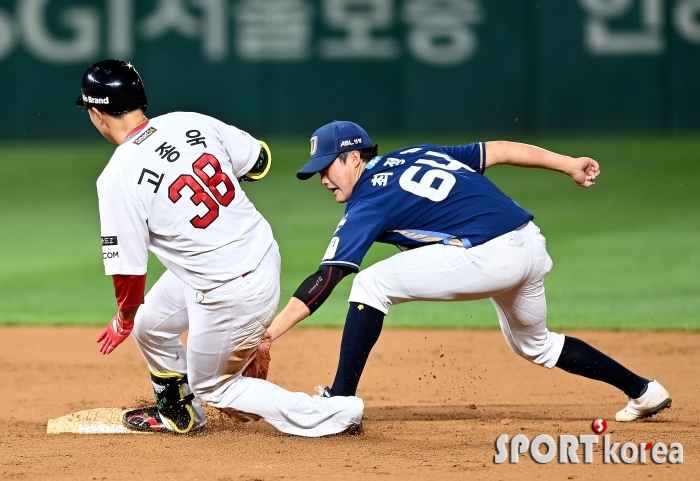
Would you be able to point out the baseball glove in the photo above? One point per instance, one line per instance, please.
(259, 361)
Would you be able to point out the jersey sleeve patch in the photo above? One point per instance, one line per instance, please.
(332, 247)
(110, 250)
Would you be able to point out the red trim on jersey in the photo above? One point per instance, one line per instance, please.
(136, 129)
(129, 291)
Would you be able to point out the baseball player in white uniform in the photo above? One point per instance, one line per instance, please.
(172, 187)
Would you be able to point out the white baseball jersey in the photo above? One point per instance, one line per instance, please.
(172, 187)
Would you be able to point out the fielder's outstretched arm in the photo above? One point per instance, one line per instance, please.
(583, 170)
(310, 295)
(294, 312)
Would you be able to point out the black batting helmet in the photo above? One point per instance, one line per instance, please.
(112, 86)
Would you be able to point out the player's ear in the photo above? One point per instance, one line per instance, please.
(98, 115)
(356, 158)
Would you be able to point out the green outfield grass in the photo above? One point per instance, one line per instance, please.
(626, 252)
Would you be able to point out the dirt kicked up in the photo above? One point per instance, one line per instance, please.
(436, 401)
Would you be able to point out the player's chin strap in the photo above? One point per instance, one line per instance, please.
(262, 165)
(171, 401)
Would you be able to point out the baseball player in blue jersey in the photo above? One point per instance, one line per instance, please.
(461, 239)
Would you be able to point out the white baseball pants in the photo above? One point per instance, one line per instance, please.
(225, 325)
(509, 269)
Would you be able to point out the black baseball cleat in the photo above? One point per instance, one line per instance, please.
(174, 410)
(144, 419)
(151, 420)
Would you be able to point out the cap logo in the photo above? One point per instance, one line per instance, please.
(95, 100)
(349, 142)
(314, 144)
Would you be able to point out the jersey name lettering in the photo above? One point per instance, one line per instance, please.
(392, 162)
(168, 152)
(151, 181)
(381, 179)
(195, 137)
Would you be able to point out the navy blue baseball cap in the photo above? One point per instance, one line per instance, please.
(329, 141)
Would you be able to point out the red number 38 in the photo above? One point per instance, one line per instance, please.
(200, 195)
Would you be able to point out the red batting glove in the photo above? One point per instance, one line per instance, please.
(115, 333)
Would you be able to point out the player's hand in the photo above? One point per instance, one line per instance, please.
(117, 330)
(584, 172)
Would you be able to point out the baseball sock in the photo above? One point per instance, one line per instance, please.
(578, 357)
(362, 328)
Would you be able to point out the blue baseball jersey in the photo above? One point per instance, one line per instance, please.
(420, 195)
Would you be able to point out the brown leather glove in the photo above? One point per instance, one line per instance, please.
(259, 361)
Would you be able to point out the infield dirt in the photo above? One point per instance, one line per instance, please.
(435, 402)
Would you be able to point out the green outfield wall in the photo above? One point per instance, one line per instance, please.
(287, 66)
